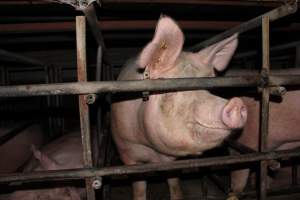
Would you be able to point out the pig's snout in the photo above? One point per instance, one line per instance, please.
(235, 113)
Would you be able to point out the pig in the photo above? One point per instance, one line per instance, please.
(173, 124)
(284, 131)
(64, 153)
(14, 157)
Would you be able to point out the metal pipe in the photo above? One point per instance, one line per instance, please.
(83, 107)
(16, 58)
(274, 48)
(193, 2)
(253, 23)
(126, 86)
(177, 84)
(264, 128)
(239, 147)
(138, 169)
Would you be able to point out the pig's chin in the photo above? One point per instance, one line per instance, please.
(209, 136)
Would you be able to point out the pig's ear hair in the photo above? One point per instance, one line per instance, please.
(161, 53)
(45, 161)
(218, 55)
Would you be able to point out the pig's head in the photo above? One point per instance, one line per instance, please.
(189, 122)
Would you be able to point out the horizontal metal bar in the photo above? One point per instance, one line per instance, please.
(17, 58)
(194, 2)
(251, 24)
(125, 86)
(177, 84)
(138, 169)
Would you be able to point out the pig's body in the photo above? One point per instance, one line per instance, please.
(284, 130)
(173, 124)
(13, 158)
(64, 153)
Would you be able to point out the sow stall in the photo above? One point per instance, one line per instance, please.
(89, 91)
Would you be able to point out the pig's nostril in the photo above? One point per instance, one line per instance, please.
(244, 112)
(235, 113)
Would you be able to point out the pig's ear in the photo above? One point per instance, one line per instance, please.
(161, 53)
(45, 161)
(219, 54)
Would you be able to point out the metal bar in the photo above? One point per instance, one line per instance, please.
(264, 128)
(194, 2)
(126, 86)
(177, 84)
(83, 107)
(253, 23)
(92, 19)
(274, 48)
(16, 58)
(294, 174)
(138, 169)
(239, 147)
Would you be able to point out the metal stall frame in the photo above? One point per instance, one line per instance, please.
(93, 175)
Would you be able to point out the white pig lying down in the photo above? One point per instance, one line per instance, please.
(173, 124)
(64, 153)
(14, 157)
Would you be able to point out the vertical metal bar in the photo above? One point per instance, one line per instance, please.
(264, 106)
(297, 57)
(204, 187)
(83, 107)
(294, 174)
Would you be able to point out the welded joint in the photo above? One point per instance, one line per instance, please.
(275, 90)
(77, 4)
(145, 94)
(292, 5)
(264, 79)
(274, 165)
(97, 183)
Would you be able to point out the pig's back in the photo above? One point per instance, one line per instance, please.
(66, 151)
(15, 152)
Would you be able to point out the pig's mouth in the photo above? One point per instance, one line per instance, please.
(209, 127)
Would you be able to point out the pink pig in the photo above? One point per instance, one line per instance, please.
(64, 153)
(14, 157)
(174, 124)
(284, 131)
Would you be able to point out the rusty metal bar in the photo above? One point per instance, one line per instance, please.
(138, 169)
(264, 128)
(177, 84)
(253, 23)
(92, 19)
(83, 106)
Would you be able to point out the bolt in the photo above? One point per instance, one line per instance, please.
(90, 98)
(97, 183)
